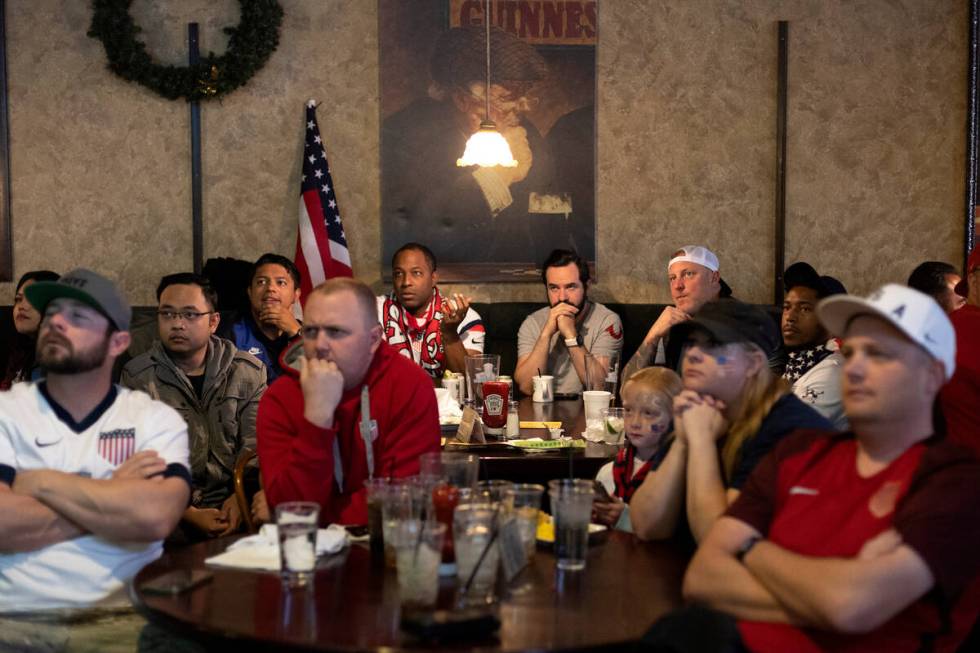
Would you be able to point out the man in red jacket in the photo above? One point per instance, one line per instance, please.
(310, 419)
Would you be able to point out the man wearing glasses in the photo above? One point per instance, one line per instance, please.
(215, 387)
(343, 387)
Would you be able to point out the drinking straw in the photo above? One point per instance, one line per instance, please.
(483, 554)
(571, 473)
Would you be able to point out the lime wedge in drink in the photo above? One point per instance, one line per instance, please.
(615, 425)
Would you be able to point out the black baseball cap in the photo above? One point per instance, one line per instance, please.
(90, 288)
(803, 274)
(730, 321)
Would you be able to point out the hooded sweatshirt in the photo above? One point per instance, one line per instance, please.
(303, 462)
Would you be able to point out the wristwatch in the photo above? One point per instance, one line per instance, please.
(572, 342)
(746, 547)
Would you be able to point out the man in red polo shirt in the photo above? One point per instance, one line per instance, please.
(865, 540)
(961, 396)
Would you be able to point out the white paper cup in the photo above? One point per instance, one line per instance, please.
(544, 389)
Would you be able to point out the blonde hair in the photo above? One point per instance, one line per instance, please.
(759, 394)
(659, 380)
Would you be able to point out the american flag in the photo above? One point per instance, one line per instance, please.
(321, 244)
(117, 446)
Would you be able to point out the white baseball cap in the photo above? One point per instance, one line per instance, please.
(915, 314)
(695, 254)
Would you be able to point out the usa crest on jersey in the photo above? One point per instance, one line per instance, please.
(117, 446)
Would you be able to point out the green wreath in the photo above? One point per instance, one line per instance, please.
(250, 44)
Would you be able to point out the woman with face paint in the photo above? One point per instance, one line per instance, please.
(27, 321)
(732, 412)
(648, 399)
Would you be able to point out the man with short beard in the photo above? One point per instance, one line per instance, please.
(92, 476)
(814, 360)
(215, 387)
(559, 338)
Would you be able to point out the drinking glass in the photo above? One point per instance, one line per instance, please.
(478, 370)
(401, 502)
(296, 523)
(614, 425)
(474, 527)
(376, 489)
(525, 499)
(418, 547)
(571, 505)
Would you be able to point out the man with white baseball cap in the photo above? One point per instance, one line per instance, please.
(960, 397)
(92, 476)
(862, 540)
(694, 279)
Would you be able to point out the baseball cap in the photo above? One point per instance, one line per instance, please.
(87, 287)
(914, 313)
(702, 256)
(963, 287)
(728, 321)
(803, 274)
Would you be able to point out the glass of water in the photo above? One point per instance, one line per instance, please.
(296, 523)
(571, 506)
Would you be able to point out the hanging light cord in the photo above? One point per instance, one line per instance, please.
(486, 90)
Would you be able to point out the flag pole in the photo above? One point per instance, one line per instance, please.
(197, 228)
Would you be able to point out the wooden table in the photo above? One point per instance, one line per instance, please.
(500, 461)
(626, 586)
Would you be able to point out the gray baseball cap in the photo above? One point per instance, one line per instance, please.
(87, 287)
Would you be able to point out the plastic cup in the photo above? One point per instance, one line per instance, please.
(418, 551)
(495, 491)
(526, 501)
(458, 469)
(571, 506)
(296, 523)
(473, 528)
(402, 502)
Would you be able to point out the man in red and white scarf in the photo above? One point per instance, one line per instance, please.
(435, 332)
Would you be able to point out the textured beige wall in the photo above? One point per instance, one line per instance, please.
(686, 111)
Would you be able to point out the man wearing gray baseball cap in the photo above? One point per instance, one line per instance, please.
(864, 540)
(92, 476)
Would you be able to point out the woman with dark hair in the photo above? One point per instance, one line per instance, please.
(27, 321)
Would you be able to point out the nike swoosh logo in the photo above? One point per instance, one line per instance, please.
(799, 489)
(40, 443)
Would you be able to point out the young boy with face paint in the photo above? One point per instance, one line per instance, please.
(648, 397)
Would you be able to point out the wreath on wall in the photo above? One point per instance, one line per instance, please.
(250, 44)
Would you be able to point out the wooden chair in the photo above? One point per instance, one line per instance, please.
(243, 460)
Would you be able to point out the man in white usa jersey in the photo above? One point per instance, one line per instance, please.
(92, 476)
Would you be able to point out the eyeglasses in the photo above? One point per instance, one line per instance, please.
(187, 316)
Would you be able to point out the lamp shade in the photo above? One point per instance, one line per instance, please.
(487, 148)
